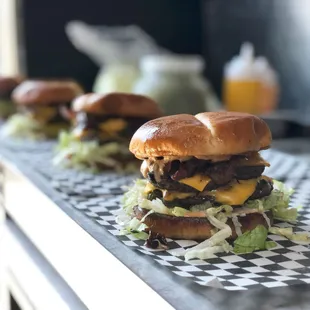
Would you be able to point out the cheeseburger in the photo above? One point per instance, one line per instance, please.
(40, 107)
(102, 126)
(7, 85)
(204, 181)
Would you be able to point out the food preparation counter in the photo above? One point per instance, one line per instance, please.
(63, 216)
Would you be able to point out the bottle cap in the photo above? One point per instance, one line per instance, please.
(241, 67)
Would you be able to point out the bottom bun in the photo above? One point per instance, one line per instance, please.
(195, 228)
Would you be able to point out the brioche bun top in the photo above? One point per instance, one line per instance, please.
(122, 104)
(208, 134)
(32, 92)
(8, 83)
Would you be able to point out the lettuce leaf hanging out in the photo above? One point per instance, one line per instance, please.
(251, 241)
(22, 126)
(288, 233)
(277, 202)
(256, 239)
(72, 152)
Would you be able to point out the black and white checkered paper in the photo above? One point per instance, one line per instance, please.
(98, 197)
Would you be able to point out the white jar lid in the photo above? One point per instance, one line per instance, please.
(174, 63)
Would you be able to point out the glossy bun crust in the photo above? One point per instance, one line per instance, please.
(206, 134)
(195, 228)
(33, 92)
(7, 84)
(122, 104)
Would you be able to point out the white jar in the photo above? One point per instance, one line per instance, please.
(175, 82)
(116, 77)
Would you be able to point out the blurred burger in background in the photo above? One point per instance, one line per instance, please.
(7, 85)
(102, 126)
(40, 107)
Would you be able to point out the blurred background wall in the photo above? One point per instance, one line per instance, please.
(8, 38)
(279, 29)
(175, 24)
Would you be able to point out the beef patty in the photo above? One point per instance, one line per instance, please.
(49, 114)
(263, 189)
(220, 174)
(92, 122)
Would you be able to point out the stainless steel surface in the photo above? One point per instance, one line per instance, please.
(30, 276)
(88, 268)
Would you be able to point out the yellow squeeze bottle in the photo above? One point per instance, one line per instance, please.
(250, 85)
(269, 93)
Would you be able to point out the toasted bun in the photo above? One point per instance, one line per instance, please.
(204, 135)
(195, 228)
(7, 84)
(46, 92)
(122, 104)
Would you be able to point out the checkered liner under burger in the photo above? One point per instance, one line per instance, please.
(71, 181)
(86, 185)
(287, 264)
(284, 166)
(75, 182)
(29, 146)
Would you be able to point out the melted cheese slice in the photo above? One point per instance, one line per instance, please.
(167, 195)
(198, 181)
(170, 196)
(264, 177)
(43, 114)
(113, 125)
(237, 193)
(149, 187)
(79, 132)
(254, 159)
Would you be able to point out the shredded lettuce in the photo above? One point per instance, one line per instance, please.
(222, 217)
(217, 243)
(22, 126)
(289, 234)
(208, 251)
(270, 245)
(277, 202)
(177, 211)
(133, 194)
(155, 205)
(285, 214)
(201, 207)
(71, 152)
(133, 226)
(7, 108)
(237, 225)
(251, 241)
(136, 225)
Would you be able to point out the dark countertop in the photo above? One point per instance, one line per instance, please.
(179, 292)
